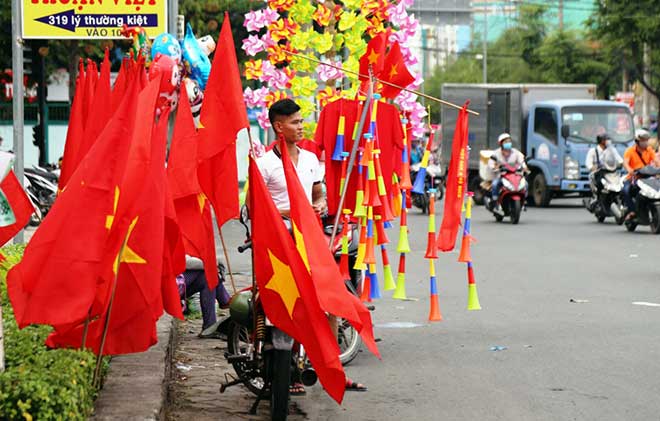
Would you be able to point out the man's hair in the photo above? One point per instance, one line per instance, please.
(284, 107)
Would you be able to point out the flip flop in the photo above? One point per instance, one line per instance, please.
(352, 386)
(297, 389)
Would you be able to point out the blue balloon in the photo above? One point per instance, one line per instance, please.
(166, 45)
(197, 63)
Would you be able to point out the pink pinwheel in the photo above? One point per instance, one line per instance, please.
(255, 98)
(270, 16)
(252, 45)
(254, 20)
(327, 73)
(262, 119)
(279, 80)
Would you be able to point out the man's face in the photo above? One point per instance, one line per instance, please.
(291, 127)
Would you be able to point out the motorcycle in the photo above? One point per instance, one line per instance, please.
(434, 179)
(512, 194)
(41, 187)
(262, 355)
(647, 200)
(606, 201)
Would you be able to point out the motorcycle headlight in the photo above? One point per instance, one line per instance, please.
(507, 184)
(571, 168)
(648, 191)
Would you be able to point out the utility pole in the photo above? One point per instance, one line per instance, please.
(560, 14)
(18, 95)
(485, 46)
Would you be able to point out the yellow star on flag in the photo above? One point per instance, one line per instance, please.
(393, 71)
(201, 199)
(283, 283)
(109, 219)
(300, 245)
(128, 255)
(373, 57)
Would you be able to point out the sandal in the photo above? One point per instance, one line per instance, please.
(297, 389)
(354, 386)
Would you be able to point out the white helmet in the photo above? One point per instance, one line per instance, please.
(503, 137)
(642, 134)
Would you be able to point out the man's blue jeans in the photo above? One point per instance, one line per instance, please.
(628, 191)
(495, 188)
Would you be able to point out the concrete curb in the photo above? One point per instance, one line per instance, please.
(135, 386)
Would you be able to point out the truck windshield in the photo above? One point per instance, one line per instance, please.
(585, 123)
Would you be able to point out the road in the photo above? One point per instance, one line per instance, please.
(595, 360)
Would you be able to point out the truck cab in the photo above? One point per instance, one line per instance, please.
(559, 133)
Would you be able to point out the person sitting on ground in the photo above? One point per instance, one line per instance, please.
(287, 122)
(636, 157)
(506, 154)
(194, 281)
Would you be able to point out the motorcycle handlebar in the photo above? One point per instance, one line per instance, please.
(247, 245)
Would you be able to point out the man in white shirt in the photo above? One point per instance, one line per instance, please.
(506, 154)
(603, 157)
(287, 122)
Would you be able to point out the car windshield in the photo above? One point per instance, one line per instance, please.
(585, 123)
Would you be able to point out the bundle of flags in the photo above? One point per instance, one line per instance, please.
(116, 237)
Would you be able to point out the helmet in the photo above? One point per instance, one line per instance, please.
(240, 308)
(503, 137)
(641, 134)
(601, 137)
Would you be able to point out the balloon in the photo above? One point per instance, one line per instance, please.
(169, 84)
(167, 45)
(207, 44)
(195, 96)
(197, 63)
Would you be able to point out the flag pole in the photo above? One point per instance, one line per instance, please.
(384, 82)
(97, 371)
(85, 329)
(351, 160)
(224, 249)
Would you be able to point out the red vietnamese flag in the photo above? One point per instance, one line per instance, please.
(192, 209)
(101, 109)
(91, 76)
(120, 84)
(75, 130)
(313, 248)
(142, 290)
(395, 71)
(374, 57)
(60, 264)
(286, 289)
(222, 116)
(456, 184)
(19, 205)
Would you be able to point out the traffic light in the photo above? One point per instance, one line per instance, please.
(38, 135)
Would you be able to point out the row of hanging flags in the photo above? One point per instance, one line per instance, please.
(104, 261)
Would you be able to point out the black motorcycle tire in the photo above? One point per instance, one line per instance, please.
(600, 218)
(237, 334)
(349, 341)
(515, 210)
(654, 220)
(631, 225)
(498, 217)
(280, 371)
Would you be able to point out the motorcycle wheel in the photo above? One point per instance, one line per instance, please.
(498, 217)
(631, 225)
(238, 341)
(600, 218)
(615, 209)
(280, 370)
(516, 207)
(349, 341)
(654, 221)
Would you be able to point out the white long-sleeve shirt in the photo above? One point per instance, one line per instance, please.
(598, 155)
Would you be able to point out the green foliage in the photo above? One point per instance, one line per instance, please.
(40, 384)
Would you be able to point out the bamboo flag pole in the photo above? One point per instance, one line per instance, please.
(224, 248)
(412, 91)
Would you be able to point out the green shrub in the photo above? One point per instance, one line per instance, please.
(38, 383)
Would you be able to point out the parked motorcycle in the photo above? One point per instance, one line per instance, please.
(262, 355)
(512, 194)
(41, 187)
(647, 200)
(434, 179)
(606, 201)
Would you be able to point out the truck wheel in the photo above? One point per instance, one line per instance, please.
(540, 192)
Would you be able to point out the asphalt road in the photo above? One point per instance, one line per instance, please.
(595, 360)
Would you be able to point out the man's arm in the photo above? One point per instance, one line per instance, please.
(318, 198)
(626, 163)
(656, 159)
(589, 161)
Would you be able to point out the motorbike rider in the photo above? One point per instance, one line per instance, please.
(506, 154)
(598, 156)
(635, 157)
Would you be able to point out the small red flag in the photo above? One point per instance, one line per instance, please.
(192, 208)
(456, 184)
(313, 248)
(286, 289)
(395, 71)
(18, 203)
(374, 56)
(223, 114)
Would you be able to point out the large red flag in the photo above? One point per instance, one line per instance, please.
(17, 204)
(286, 289)
(192, 209)
(456, 183)
(62, 261)
(75, 130)
(313, 248)
(223, 114)
(395, 71)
